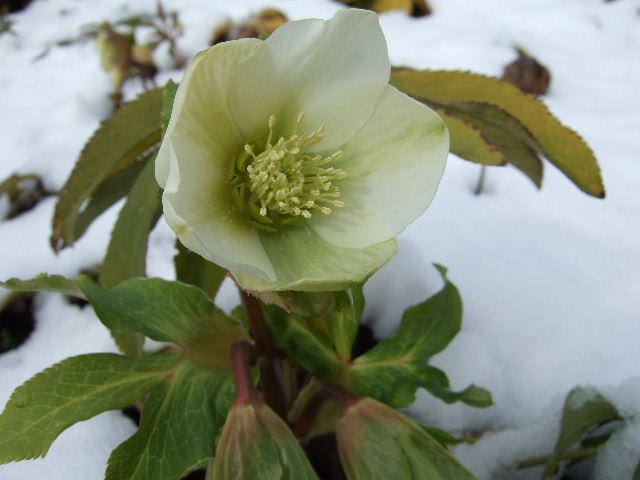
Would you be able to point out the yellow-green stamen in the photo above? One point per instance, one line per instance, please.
(283, 183)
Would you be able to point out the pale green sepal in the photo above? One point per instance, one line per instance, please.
(304, 261)
(71, 391)
(394, 164)
(199, 207)
(299, 70)
(201, 102)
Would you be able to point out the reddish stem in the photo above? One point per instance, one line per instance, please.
(342, 396)
(259, 330)
(242, 354)
(270, 382)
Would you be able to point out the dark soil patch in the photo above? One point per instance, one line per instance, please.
(16, 321)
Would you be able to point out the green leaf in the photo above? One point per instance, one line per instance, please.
(114, 188)
(311, 347)
(311, 304)
(395, 368)
(473, 395)
(469, 142)
(357, 295)
(458, 90)
(343, 325)
(193, 269)
(382, 6)
(127, 251)
(180, 422)
(506, 134)
(71, 391)
(167, 312)
(44, 283)
(444, 438)
(584, 410)
(131, 344)
(117, 143)
(168, 95)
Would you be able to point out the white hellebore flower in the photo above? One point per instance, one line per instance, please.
(292, 162)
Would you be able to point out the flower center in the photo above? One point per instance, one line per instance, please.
(284, 184)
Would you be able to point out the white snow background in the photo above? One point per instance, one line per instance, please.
(550, 279)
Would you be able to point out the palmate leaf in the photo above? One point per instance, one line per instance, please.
(187, 405)
(167, 312)
(114, 147)
(479, 100)
(180, 422)
(393, 370)
(71, 391)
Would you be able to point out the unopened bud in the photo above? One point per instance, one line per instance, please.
(377, 442)
(256, 443)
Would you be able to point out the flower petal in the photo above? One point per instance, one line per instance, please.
(305, 262)
(394, 165)
(198, 207)
(200, 108)
(334, 71)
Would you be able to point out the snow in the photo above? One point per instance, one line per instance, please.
(549, 278)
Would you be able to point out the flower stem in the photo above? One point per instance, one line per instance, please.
(259, 330)
(242, 355)
(270, 382)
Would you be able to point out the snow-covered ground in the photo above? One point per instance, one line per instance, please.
(550, 278)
